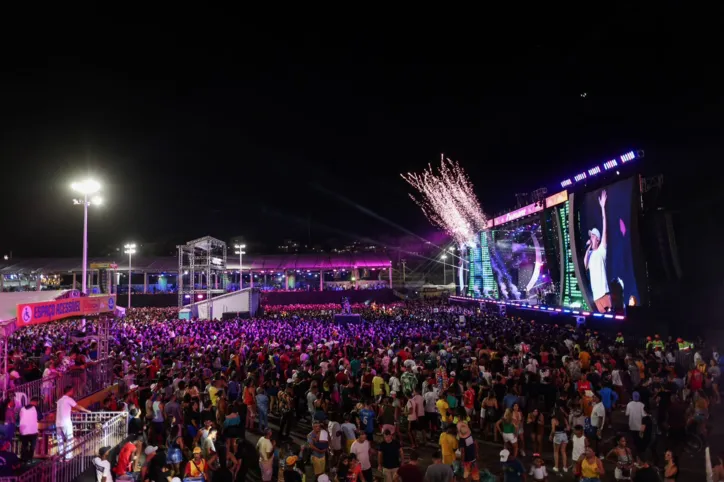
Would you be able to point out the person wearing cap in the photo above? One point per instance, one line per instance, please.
(595, 261)
(513, 469)
(291, 472)
(438, 471)
(197, 466)
(102, 465)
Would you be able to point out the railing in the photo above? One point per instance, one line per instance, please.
(96, 376)
(103, 429)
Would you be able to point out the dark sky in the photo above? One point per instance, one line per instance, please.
(257, 130)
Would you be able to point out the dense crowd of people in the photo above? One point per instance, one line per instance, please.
(413, 376)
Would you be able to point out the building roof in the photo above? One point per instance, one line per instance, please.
(9, 301)
(169, 264)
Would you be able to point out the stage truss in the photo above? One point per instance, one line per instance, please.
(203, 263)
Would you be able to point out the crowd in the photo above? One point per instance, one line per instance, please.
(378, 395)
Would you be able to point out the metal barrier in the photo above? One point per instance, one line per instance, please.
(102, 429)
(96, 376)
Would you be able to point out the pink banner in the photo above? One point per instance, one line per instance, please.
(519, 213)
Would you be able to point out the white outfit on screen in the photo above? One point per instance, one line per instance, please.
(597, 270)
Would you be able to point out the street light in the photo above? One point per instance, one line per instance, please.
(240, 251)
(130, 251)
(444, 271)
(86, 188)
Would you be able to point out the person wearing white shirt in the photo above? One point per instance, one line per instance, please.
(28, 428)
(598, 420)
(635, 412)
(102, 465)
(63, 422)
(361, 449)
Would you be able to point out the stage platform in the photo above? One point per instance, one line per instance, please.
(351, 319)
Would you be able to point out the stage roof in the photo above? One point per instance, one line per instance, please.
(9, 301)
(169, 264)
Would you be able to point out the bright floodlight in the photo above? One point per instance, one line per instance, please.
(443, 256)
(240, 246)
(451, 249)
(130, 248)
(97, 200)
(86, 187)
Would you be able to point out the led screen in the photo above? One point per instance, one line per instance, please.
(605, 245)
(519, 264)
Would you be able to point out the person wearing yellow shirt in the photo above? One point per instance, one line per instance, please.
(378, 386)
(214, 395)
(448, 445)
(443, 408)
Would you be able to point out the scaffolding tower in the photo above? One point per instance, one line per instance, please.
(202, 270)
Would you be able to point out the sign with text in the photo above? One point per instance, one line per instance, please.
(46, 311)
(519, 213)
(557, 198)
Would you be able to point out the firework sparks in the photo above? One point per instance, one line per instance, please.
(446, 197)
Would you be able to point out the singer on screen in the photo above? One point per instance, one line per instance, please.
(595, 261)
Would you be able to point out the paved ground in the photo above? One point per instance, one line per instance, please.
(692, 465)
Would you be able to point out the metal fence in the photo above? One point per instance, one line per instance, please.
(94, 378)
(91, 432)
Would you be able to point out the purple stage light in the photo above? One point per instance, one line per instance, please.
(594, 171)
(567, 182)
(580, 177)
(629, 156)
(610, 164)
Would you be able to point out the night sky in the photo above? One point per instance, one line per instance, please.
(267, 131)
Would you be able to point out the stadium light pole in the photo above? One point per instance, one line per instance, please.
(240, 251)
(130, 251)
(86, 188)
(444, 269)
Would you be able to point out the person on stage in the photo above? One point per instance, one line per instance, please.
(595, 261)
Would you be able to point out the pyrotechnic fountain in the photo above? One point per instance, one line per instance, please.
(447, 199)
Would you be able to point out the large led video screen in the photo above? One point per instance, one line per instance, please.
(605, 242)
(519, 265)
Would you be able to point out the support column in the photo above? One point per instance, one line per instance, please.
(38, 284)
(390, 271)
(74, 278)
(321, 280)
(2, 282)
(145, 282)
(286, 279)
(251, 279)
(216, 281)
(292, 280)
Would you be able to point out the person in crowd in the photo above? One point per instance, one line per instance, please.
(591, 467)
(28, 428)
(411, 471)
(361, 451)
(102, 465)
(197, 466)
(265, 450)
(63, 422)
(389, 456)
(438, 471)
